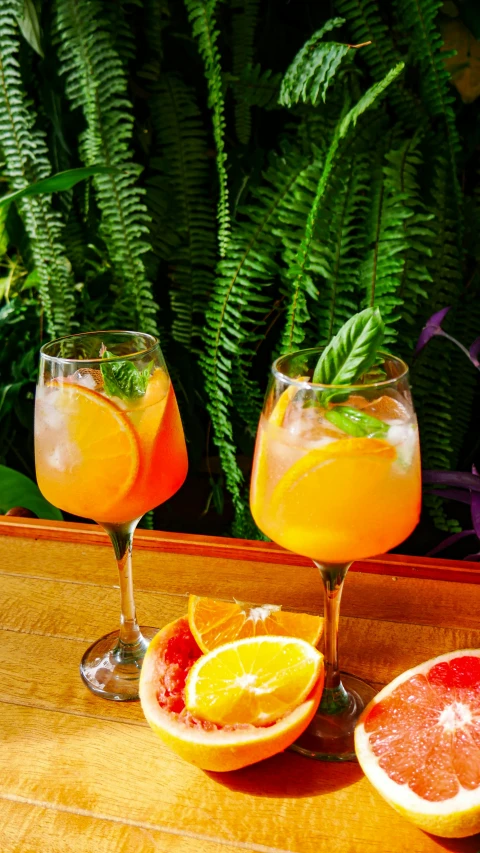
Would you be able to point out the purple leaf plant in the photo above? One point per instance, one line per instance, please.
(465, 486)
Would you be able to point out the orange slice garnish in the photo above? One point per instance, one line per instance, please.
(87, 451)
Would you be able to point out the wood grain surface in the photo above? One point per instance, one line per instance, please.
(81, 774)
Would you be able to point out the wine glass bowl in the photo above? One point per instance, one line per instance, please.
(109, 445)
(336, 477)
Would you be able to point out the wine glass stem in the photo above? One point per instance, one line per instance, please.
(121, 537)
(334, 698)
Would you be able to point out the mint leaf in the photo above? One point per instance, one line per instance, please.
(352, 351)
(122, 379)
(355, 422)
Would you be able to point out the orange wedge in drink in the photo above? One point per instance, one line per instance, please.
(213, 622)
(418, 742)
(90, 462)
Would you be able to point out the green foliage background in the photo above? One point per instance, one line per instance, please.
(262, 192)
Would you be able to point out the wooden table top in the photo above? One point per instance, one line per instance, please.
(82, 774)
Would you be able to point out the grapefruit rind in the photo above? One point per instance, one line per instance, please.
(218, 751)
(456, 817)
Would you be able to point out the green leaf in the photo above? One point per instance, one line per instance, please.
(352, 351)
(355, 422)
(313, 68)
(18, 490)
(30, 27)
(57, 183)
(368, 99)
(122, 379)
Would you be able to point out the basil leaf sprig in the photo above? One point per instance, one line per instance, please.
(122, 379)
(355, 422)
(349, 356)
(353, 350)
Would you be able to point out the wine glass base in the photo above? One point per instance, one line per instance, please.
(112, 669)
(329, 737)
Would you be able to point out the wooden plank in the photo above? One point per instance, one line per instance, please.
(287, 803)
(27, 828)
(236, 549)
(370, 595)
(374, 650)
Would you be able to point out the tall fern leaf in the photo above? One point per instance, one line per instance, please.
(294, 332)
(314, 67)
(26, 160)
(365, 22)
(239, 300)
(245, 14)
(96, 83)
(182, 144)
(201, 14)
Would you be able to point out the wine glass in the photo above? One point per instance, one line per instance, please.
(109, 445)
(336, 489)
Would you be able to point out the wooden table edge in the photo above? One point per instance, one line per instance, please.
(399, 565)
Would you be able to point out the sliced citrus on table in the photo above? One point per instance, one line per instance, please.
(254, 681)
(88, 455)
(213, 622)
(170, 658)
(418, 742)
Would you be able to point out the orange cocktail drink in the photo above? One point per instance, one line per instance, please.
(109, 445)
(330, 496)
(103, 457)
(336, 477)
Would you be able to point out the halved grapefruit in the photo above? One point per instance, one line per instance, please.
(418, 742)
(169, 658)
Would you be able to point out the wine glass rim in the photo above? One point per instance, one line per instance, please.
(301, 383)
(99, 360)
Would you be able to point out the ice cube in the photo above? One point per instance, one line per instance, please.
(404, 438)
(309, 425)
(51, 418)
(387, 409)
(88, 378)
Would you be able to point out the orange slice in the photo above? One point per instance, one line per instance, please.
(88, 463)
(166, 664)
(260, 471)
(214, 622)
(418, 743)
(255, 681)
(300, 483)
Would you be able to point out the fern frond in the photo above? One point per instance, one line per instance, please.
(96, 83)
(202, 18)
(296, 309)
(313, 68)
(26, 160)
(255, 87)
(238, 301)
(435, 389)
(366, 25)
(244, 20)
(182, 142)
(418, 19)
(393, 274)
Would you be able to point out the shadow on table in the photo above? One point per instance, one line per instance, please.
(290, 775)
(458, 845)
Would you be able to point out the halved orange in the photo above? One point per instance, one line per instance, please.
(168, 659)
(87, 452)
(213, 622)
(418, 743)
(255, 681)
